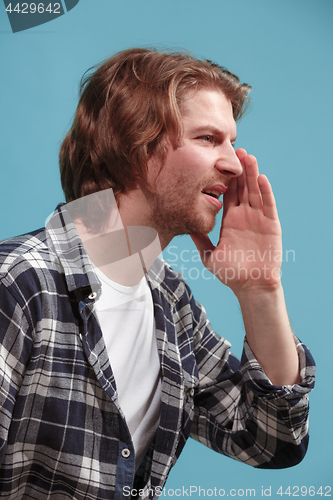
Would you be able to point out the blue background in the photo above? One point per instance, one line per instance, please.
(284, 50)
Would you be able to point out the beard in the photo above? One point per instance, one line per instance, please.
(176, 213)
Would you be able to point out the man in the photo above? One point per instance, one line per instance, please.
(108, 364)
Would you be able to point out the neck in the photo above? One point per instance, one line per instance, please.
(126, 246)
(135, 210)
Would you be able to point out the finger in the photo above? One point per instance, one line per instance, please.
(230, 197)
(204, 245)
(242, 190)
(252, 173)
(239, 183)
(268, 200)
(241, 154)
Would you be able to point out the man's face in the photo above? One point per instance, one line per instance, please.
(195, 173)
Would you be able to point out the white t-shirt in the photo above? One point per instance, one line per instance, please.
(126, 317)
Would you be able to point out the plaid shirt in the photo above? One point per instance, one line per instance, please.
(62, 432)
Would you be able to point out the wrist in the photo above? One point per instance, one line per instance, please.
(263, 293)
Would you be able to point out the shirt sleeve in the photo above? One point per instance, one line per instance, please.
(15, 349)
(239, 412)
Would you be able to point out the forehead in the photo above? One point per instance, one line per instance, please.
(205, 106)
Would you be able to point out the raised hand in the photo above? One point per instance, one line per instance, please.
(249, 250)
(248, 258)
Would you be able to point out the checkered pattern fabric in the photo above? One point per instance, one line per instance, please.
(62, 432)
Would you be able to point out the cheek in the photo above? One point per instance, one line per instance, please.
(191, 162)
(183, 168)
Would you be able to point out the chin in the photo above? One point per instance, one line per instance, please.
(201, 227)
(183, 222)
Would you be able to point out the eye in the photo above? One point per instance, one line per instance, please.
(207, 138)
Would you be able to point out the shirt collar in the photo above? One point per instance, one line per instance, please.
(160, 275)
(64, 240)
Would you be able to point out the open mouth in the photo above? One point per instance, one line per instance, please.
(213, 198)
(214, 195)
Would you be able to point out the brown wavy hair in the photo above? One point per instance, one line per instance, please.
(127, 107)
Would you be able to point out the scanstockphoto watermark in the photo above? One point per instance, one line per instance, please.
(239, 263)
(262, 491)
(188, 491)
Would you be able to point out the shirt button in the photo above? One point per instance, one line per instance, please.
(92, 296)
(125, 453)
(192, 393)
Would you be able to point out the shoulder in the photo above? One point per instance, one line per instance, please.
(169, 286)
(164, 278)
(25, 262)
(14, 250)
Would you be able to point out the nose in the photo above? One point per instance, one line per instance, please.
(228, 162)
